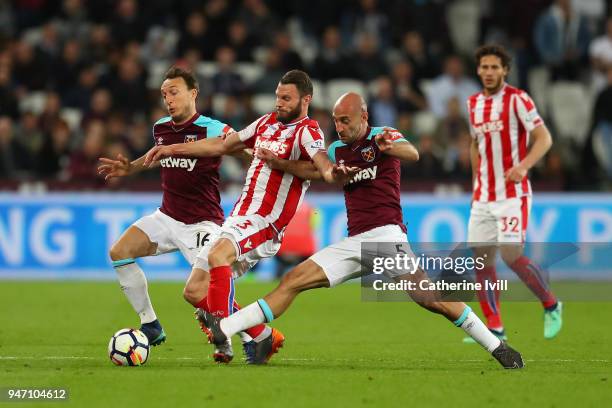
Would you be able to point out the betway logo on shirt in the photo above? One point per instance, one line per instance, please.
(277, 146)
(173, 162)
(492, 126)
(365, 174)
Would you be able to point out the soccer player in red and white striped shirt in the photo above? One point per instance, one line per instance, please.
(268, 202)
(508, 138)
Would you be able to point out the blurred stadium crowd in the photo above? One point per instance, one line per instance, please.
(80, 79)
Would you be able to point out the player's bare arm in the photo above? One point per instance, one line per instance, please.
(542, 141)
(202, 148)
(121, 166)
(299, 168)
(332, 173)
(474, 158)
(404, 150)
(246, 155)
(307, 170)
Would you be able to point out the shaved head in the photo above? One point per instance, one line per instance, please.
(350, 117)
(352, 102)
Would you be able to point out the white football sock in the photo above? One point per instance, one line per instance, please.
(477, 330)
(245, 318)
(134, 284)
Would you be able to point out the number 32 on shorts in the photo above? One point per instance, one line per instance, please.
(510, 224)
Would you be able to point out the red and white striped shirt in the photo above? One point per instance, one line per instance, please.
(274, 194)
(501, 124)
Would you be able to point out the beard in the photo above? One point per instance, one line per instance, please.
(288, 117)
(496, 86)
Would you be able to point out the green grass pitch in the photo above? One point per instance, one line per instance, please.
(339, 351)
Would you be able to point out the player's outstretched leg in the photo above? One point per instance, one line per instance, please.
(307, 275)
(536, 279)
(462, 316)
(134, 243)
(476, 329)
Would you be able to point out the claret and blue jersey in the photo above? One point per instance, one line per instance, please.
(373, 195)
(190, 185)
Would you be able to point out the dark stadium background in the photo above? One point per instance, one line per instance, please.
(80, 79)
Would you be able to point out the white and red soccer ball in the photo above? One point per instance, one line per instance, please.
(128, 347)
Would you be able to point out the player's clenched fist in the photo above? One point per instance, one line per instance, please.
(268, 156)
(516, 173)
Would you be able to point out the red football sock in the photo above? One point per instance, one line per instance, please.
(202, 304)
(535, 279)
(221, 291)
(489, 298)
(255, 330)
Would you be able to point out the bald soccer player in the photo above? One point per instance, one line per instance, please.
(374, 213)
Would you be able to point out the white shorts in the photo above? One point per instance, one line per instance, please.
(171, 235)
(502, 221)
(253, 237)
(342, 261)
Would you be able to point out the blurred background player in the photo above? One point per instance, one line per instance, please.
(190, 214)
(268, 201)
(374, 214)
(299, 241)
(508, 138)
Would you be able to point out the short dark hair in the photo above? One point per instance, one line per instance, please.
(300, 79)
(493, 49)
(186, 74)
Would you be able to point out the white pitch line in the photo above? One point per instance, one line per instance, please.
(553, 360)
(46, 358)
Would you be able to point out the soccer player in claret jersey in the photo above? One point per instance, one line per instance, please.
(508, 138)
(190, 214)
(374, 214)
(268, 201)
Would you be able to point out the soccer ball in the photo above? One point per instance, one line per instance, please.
(128, 347)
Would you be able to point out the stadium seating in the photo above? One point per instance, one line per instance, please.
(157, 69)
(425, 123)
(206, 69)
(218, 104)
(263, 103)
(319, 97)
(249, 72)
(463, 22)
(569, 110)
(538, 80)
(337, 87)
